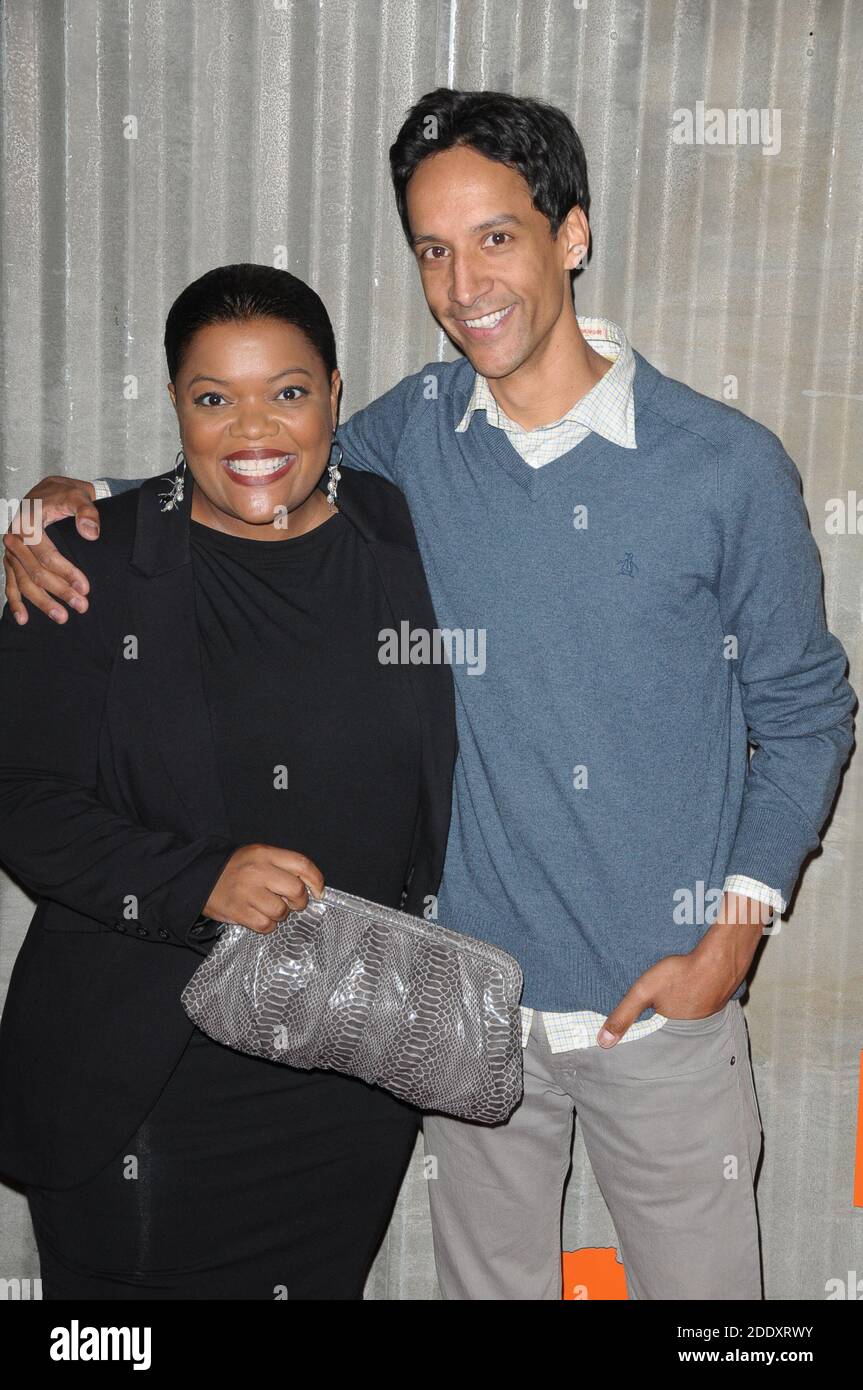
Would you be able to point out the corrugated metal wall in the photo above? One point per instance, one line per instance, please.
(148, 141)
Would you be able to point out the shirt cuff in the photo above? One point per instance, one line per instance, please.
(101, 489)
(754, 888)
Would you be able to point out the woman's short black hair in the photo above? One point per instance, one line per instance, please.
(539, 141)
(234, 293)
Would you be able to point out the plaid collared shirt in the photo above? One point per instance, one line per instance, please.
(608, 409)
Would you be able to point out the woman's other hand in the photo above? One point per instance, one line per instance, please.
(260, 884)
(35, 569)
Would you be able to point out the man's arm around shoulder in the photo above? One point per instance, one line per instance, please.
(35, 569)
(371, 438)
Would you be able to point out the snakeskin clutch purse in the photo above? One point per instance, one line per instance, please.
(352, 986)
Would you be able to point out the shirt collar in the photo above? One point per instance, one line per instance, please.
(608, 408)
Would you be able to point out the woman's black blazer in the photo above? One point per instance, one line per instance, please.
(112, 813)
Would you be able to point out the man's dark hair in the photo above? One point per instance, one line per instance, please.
(537, 140)
(234, 293)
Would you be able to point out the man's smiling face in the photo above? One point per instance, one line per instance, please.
(493, 276)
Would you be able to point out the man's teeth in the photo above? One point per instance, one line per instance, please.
(257, 467)
(488, 320)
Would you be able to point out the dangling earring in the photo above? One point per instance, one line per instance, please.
(333, 470)
(174, 496)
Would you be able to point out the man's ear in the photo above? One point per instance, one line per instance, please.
(575, 231)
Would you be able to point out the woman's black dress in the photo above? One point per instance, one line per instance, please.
(249, 1179)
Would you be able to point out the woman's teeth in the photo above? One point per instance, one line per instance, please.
(257, 468)
(488, 320)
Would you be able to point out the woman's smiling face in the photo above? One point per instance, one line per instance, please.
(256, 409)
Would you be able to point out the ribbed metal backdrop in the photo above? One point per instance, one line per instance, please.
(148, 141)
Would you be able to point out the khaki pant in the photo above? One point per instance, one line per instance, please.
(672, 1130)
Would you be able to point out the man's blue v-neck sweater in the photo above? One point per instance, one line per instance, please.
(640, 610)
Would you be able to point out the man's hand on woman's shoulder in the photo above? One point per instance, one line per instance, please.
(35, 568)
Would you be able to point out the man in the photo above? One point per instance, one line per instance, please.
(637, 559)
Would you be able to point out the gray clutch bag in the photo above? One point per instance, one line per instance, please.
(353, 986)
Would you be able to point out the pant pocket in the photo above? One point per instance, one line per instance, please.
(745, 1074)
(697, 1025)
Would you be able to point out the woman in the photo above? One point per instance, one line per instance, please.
(224, 739)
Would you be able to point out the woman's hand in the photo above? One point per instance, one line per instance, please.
(260, 883)
(34, 567)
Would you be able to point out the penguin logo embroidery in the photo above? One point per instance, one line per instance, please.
(627, 565)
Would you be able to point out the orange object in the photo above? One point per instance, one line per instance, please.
(858, 1166)
(593, 1272)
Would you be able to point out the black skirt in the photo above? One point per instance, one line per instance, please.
(247, 1180)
